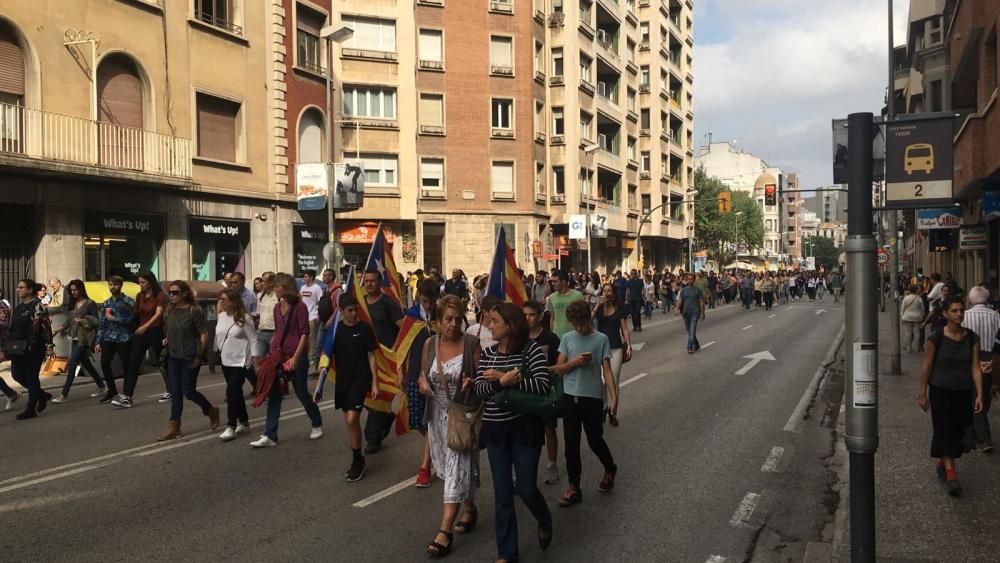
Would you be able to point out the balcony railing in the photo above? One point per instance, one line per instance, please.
(49, 136)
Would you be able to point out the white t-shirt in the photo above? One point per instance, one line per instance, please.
(485, 335)
(311, 294)
(238, 344)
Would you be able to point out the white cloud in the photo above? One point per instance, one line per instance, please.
(782, 69)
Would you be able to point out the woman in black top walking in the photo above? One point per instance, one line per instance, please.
(81, 330)
(951, 384)
(512, 440)
(611, 323)
(25, 346)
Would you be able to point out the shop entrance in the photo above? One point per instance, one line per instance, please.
(433, 246)
(17, 246)
(218, 247)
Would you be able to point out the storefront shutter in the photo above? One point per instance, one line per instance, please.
(11, 64)
(217, 128)
(120, 92)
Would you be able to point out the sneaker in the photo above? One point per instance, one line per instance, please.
(316, 433)
(99, 392)
(356, 471)
(228, 435)
(551, 474)
(59, 400)
(107, 398)
(373, 448)
(570, 497)
(608, 482)
(423, 478)
(11, 400)
(122, 402)
(954, 487)
(985, 447)
(165, 398)
(242, 429)
(263, 442)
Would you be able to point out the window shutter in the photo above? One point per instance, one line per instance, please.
(11, 64)
(500, 48)
(433, 170)
(430, 45)
(502, 177)
(431, 113)
(217, 128)
(120, 93)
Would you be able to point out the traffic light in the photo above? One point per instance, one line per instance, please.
(770, 194)
(725, 202)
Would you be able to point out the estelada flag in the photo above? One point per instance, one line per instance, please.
(505, 278)
(380, 259)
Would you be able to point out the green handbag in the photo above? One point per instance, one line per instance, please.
(519, 401)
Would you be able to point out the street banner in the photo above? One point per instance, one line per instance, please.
(991, 204)
(810, 263)
(943, 218)
(350, 186)
(312, 185)
(973, 237)
(577, 227)
(599, 225)
(919, 162)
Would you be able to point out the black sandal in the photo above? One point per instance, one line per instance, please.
(466, 526)
(437, 550)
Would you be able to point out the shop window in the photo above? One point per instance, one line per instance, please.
(121, 244)
(218, 247)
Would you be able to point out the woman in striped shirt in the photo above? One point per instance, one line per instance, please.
(513, 441)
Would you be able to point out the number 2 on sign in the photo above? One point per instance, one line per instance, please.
(918, 190)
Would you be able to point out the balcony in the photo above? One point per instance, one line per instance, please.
(557, 19)
(30, 138)
(609, 160)
(501, 133)
(608, 106)
(587, 87)
(431, 65)
(608, 53)
(368, 55)
(556, 80)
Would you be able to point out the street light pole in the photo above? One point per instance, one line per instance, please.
(332, 35)
(895, 361)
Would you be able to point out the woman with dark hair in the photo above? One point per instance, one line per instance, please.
(186, 339)
(951, 385)
(5, 312)
(291, 333)
(236, 341)
(610, 321)
(27, 339)
(150, 304)
(81, 330)
(513, 441)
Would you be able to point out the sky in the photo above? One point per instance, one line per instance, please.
(771, 74)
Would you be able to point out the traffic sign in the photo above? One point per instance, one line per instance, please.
(919, 165)
(333, 253)
(882, 257)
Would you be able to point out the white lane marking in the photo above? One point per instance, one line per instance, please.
(68, 470)
(633, 379)
(637, 347)
(748, 327)
(200, 388)
(43, 501)
(745, 510)
(707, 344)
(715, 559)
(754, 360)
(406, 483)
(821, 311)
(771, 463)
(795, 421)
(772, 316)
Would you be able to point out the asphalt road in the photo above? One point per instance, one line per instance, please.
(711, 463)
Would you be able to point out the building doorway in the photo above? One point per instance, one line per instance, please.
(433, 246)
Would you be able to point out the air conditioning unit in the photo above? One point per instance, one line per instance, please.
(602, 36)
(602, 89)
(504, 70)
(502, 6)
(645, 175)
(503, 133)
(432, 193)
(431, 65)
(432, 130)
(557, 19)
(644, 88)
(643, 132)
(558, 198)
(602, 140)
(557, 140)
(556, 80)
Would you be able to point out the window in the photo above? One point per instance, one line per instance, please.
(539, 117)
(646, 164)
(369, 101)
(633, 199)
(631, 148)
(432, 111)
(644, 33)
(539, 57)
(585, 64)
(630, 99)
(431, 45)
(644, 76)
(558, 122)
(432, 174)
(380, 169)
(586, 181)
(630, 50)
(217, 127)
(558, 180)
(218, 13)
(371, 34)
(310, 140)
(557, 6)
(557, 61)
(501, 53)
(644, 118)
(502, 178)
(502, 113)
(585, 126)
(308, 24)
(539, 178)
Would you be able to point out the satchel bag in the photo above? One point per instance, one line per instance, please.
(519, 401)
(16, 347)
(464, 420)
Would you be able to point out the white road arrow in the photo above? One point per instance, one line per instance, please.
(821, 311)
(754, 360)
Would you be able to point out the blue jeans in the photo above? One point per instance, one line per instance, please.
(79, 355)
(647, 309)
(691, 324)
(524, 460)
(264, 341)
(184, 385)
(301, 387)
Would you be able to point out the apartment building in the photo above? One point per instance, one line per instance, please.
(134, 136)
(829, 206)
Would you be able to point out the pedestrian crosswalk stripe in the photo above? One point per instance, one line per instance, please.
(638, 346)
(773, 458)
(748, 327)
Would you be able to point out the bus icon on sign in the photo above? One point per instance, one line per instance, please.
(919, 157)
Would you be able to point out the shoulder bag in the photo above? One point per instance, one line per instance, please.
(464, 420)
(519, 401)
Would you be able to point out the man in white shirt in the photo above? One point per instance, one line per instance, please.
(936, 290)
(311, 293)
(985, 322)
(481, 330)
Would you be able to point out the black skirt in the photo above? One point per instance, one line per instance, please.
(951, 415)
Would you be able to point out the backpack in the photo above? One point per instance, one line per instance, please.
(937, 337)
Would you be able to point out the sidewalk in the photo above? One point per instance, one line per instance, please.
(915, 519)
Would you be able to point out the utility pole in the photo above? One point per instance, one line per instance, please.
(861, 342)
(892, 238)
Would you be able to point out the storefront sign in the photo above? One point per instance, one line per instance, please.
(123, 224)
(943, 218)
(307, 244)
(312, 185)
(364, 233)
(919, 162)
(973, 237)
(577, 227)
(122, 244)
(220, 228)
(991, 204)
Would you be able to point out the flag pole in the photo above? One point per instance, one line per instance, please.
(371, 250)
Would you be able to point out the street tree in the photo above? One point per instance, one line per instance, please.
(717, 232)
(824, 249)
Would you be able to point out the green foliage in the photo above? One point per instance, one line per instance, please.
(826, 252)
(716, 232)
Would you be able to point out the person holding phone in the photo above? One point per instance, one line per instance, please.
(611, 323)
(585, 363)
